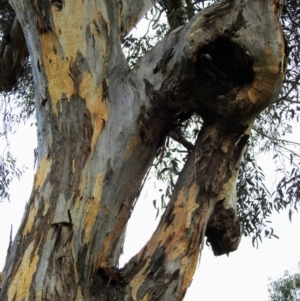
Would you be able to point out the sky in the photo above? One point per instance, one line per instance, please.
(241, 276)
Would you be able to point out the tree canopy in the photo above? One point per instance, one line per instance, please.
(285, 288)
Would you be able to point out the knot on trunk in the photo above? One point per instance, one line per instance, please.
(223, 230)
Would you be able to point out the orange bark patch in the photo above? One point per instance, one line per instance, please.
(131, 145)
(18, 289)
(94, 208)
(57, 70)
(30, 220)
(146, 297)
(138, 280)
(100, 117)
(73, 166)
(95, 102)
(60, 54)
(79, 296)
(61, 48)
(190, 263)
(42, 173)
(267, 75)
(173, 236)
(183, 216)
(268, 50)
(111, 237)
(262, 88)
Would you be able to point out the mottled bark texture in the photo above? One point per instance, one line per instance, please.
(100, 125)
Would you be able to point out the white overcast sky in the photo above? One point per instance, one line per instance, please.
(241, 276)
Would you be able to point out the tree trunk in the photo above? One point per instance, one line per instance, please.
(100, 125)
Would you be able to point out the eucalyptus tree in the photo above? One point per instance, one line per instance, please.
(285, 288)
(103, 119)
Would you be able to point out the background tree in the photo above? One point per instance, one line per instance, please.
(17, 99)
(101, 124)
(286, 288)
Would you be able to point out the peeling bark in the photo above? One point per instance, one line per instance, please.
(100, 125)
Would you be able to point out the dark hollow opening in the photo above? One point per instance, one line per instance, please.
(231, 60)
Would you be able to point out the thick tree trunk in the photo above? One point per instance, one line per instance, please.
(100, 125)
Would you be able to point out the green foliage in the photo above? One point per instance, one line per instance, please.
(8, 171)
(16, 105)
(286, 288)
(135, 45)
(22, 95)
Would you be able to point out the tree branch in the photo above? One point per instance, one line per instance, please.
(131, 12)
(173, 249)
(183, 65)
(277, 143)
(185, 73)
(293, 85)
(176, 135)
